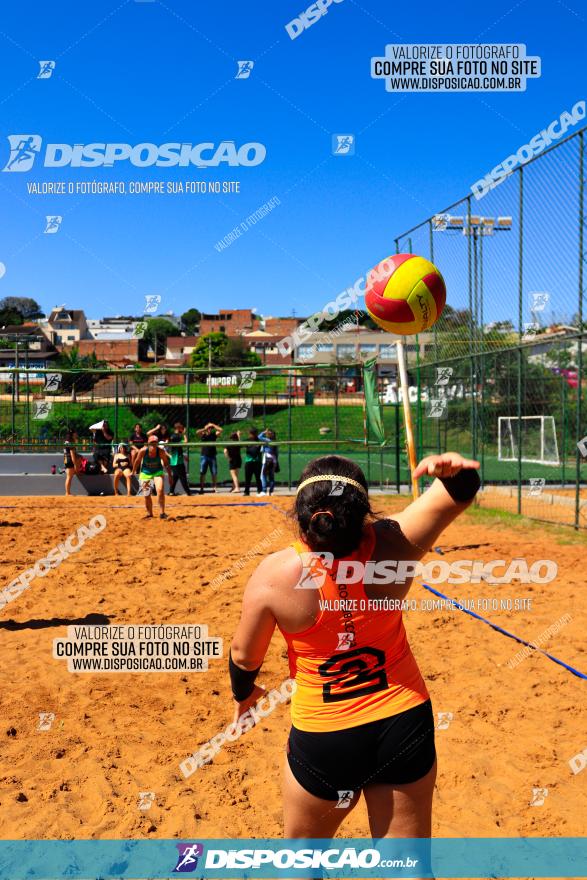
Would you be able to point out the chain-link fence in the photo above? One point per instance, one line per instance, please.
(313, 411)
(505, 375)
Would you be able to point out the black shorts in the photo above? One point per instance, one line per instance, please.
(392, 751)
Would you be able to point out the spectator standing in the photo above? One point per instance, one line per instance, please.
(177, 460)
(163, 435)
(208, 434)
(270, 461)
(235, 461)
(71, 460)
(253, 462)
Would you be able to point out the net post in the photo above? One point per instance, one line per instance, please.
(401, 359)
(397, 452)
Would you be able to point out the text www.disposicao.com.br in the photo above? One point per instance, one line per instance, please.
(135, 664)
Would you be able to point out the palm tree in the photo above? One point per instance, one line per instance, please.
(70, 361)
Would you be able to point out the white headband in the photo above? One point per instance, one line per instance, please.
(331, 477)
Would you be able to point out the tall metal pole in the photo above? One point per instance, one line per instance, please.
(13, 406)
(28, 396)
(336, 401)
(289, 383)
(520, 326)
(564, 415)
(397, 450)
(264, 386)
(411, 446)
(471, 331)
(580, 323)
(435, 331)
(16, 364)
(481, 361)
(116, 408)
(475, 236)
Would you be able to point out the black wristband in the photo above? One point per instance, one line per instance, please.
(241, 680)
(464, 486)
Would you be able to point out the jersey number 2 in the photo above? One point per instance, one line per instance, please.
(355, 673)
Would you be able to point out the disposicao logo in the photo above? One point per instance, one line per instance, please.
(24, 149)
(187, 860)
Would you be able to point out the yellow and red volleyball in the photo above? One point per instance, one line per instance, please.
(405, 294)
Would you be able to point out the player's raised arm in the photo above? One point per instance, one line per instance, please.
(456, 484)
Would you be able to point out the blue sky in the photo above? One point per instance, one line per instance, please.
(137, 72)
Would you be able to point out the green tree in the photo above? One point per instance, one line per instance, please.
(10, 317)
(219, 350)
(29, 309)
(209, 350)
(158, 329)
(561, 356)
(78, 375)
(237, 354)
(191, 321)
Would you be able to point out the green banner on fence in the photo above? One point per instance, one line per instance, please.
(373, 407)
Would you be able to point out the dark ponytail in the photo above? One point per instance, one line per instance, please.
(331, 514)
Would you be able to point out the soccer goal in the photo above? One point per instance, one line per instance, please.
(538, 437)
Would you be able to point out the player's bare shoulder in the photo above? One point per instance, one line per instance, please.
(278, 571)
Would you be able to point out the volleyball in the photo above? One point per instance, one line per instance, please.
(405, 294)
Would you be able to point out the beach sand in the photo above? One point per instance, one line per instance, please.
(115, 735)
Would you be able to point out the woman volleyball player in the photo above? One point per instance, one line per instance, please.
(361, 713)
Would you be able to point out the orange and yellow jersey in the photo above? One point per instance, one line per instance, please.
(354, 664)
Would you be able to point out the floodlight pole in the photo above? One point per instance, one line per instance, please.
(475, 227)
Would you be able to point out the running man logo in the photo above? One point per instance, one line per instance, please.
(146, 799)
(343, 145)
(337, 488)
(578, 762)
(242, 409)
(46, 69)
(244, 69)
(537, 484)
(443, 375)
(582, 447)
(539, 301)
(440, 222)
(444, 719)
(437, 409)
(187, 861)
(152, 303)
(24, 149)
(345, 799)
(42, 408)
(46, 719)
(247, 378)
(346, 640)
(314, 567)
(52, 381)
(538, 796)
(53, 224)
(140, 330)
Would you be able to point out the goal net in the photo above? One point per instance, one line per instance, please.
(538, 439)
